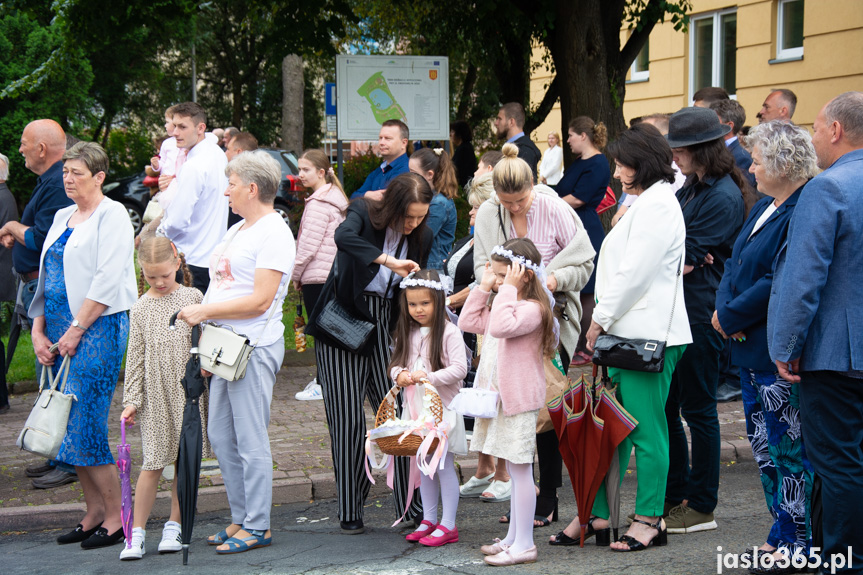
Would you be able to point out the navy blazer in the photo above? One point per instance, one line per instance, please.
(743, 160)
(743, 294)
(815, 316)
(359, 244)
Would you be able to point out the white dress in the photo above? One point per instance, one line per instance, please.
(512, 437)
(456, 436)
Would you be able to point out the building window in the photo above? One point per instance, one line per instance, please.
(789, 29)
(640, 69)
(713, 51)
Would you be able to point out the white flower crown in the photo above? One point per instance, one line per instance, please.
(503, 252)
(445, 284)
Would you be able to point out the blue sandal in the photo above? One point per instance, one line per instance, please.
(242, 545)
(219, 539)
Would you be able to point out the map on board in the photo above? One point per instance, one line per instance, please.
(373, 89)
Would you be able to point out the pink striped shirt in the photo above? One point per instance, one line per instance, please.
(549, 227)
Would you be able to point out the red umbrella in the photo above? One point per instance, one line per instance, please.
(618, 425)
(591, 437)
(124, 463)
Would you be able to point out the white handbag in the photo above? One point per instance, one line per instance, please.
(45, 428)
(223, 351)
(474, 402)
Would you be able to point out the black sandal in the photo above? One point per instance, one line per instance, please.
(603, 536)
(658, 540)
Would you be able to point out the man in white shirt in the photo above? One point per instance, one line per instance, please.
(198, 214)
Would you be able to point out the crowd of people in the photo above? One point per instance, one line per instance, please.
(708, 252)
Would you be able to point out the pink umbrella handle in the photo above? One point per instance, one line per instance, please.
(122, 430)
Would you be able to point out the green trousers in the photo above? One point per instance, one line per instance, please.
(643, 395)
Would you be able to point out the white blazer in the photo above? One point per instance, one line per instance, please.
(97, 262)
(637, 271)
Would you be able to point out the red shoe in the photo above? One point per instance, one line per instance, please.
(417, 535)
(447, 537)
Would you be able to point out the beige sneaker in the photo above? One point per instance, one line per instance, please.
(684, 519)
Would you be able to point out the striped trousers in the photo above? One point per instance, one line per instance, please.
(346, 380)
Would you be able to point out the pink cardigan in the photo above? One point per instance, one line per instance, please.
(446, 381)
(316, 248)
(518, 326)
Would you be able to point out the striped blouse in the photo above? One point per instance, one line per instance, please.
(549, 227)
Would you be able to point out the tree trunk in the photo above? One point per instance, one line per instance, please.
(292, 103)
(589, 83)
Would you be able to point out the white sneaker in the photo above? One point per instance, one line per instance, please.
(312, 392)
(137, 550)
(171, 538)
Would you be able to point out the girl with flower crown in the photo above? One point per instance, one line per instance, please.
(519, 331)
(436, 167)
(428, 347)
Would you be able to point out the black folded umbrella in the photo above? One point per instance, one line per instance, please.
(191, 442)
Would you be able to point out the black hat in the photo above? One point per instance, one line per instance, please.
(691, 126)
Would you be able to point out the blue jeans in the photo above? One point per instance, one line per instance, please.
(693, 394)
(831, 413)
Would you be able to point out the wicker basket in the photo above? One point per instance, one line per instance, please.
(410, 444)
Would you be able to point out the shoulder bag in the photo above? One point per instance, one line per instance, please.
(646, 355)
(338, 323)
(45, 428)
(223, 351)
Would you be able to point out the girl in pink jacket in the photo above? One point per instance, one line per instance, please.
(519, 330)
(429, 347)
(324, 211)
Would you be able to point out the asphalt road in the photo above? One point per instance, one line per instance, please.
(307, 540)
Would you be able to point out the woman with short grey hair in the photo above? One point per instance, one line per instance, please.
(249, 272)
(783, 161)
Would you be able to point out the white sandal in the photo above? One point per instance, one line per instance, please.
(475, 486)
(500, 491)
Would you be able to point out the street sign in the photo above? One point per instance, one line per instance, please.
(330, 99)
(332, 124)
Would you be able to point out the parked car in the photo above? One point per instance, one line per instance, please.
(289, 202)
(133, 194)
(290, 198)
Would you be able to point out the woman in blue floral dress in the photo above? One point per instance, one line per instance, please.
(783, 160)
(86, 287)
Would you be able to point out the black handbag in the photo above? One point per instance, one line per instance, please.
(341, 325)
(646, 355)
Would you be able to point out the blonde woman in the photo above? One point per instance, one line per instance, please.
(551, 167)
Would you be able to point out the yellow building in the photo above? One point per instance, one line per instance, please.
(812, 47)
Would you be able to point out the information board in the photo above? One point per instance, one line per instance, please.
(373, 89)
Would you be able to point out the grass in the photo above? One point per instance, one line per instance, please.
(23, 366)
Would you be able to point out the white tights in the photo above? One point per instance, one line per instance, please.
(522, 504)
(445, 486)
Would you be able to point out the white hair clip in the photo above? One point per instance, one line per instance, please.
(445, 284)
(503, 252)
(437, 151)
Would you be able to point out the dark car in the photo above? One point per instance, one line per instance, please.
(133, 194)
(291, 195)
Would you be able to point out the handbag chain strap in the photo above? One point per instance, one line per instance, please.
(674, 301)
(278, 293)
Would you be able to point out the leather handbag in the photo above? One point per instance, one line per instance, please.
(222, 351)
(341, 325)
(647, 355)
(45, 428)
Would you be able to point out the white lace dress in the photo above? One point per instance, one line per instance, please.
(512, 437)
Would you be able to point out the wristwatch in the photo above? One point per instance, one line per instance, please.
(447, 302)
(76, 323)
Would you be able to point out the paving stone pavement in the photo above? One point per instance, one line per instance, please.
(300, 445)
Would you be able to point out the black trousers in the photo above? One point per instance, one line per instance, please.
(200, 278)
(346, 380)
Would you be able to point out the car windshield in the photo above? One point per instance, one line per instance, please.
(287, 161)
